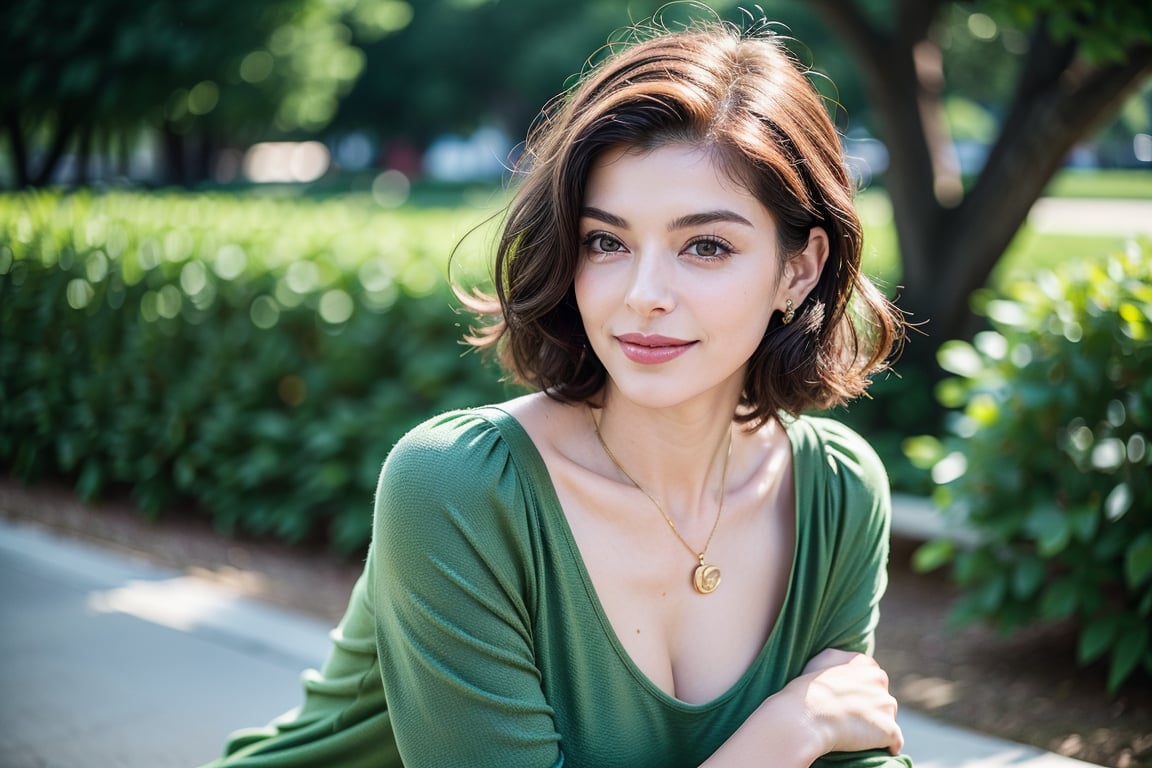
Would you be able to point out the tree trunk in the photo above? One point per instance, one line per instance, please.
(65, 130)
(83, 156)
(19, 148)
(1031, 148)
(175, 166)
(205, 155)
(949, 250)
(21, 162)
(123, 153)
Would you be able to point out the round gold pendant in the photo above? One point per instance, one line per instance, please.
(706, 578)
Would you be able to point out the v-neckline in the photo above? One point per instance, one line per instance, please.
(525, 452)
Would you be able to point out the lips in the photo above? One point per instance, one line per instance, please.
(652, 350)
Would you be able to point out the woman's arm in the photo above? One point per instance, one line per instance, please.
(840, 704)
(451, 592)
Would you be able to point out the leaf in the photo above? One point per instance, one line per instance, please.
(1138, 560)
(1054, 540)
(1027, 577)
(1050, 528)
(992, 593)
(1118, 503)
(923, 450)
(966, 610)
(1007, 313)
(1145, 607)
(1096, 637)
(184, 473)
(932, 555)
(960, 358)
(983, 410)
(951, 393)
(91, 480)
(1060, 599)
(1084, 521)
(1126, 655)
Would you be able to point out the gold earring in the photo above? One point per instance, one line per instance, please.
(789, 312)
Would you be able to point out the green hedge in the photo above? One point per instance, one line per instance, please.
(1049, 461)
(258, 357)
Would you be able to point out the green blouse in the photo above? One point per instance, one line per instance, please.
(474, 637)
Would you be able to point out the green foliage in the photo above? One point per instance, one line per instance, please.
(235, 72)
(258, 357)
(1049, 459)
(496, 63)
(1103, 31)
(899, 403)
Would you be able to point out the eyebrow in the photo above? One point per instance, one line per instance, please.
(683, 222)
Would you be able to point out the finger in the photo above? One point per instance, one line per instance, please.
(897, 744)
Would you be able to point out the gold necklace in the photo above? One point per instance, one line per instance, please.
(706, 577)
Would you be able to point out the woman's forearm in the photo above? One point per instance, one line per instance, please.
(780, 729)
(840, 703)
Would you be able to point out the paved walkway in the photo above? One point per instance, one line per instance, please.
(113, 663)
(1125, 218)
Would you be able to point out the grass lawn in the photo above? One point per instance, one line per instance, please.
(1078, 182)
(1030, 250)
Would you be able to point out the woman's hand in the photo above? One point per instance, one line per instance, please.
(846, 700)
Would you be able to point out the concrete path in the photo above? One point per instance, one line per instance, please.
(1125, 218)
(113, 663)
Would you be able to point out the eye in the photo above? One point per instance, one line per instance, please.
(602, 242)
(709, 248)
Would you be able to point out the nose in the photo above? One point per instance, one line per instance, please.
(651, 284)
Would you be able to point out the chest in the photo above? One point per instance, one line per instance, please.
(693, 647)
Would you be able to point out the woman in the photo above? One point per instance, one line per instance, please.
(653, 560)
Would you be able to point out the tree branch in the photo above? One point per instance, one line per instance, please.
(867, 44)
(1031, 149)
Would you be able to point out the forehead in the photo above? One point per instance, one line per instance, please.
(680, 177)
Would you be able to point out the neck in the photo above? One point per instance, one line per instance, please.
(677, 459)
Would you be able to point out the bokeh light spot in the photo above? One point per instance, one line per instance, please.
(336, 306)
(79, 293)
(264, 312)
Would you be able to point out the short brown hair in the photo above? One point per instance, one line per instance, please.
(742, 97)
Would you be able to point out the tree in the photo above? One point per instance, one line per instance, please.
(200, 72)
(461, 64)
(1082, 61)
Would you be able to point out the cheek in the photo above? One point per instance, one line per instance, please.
(751, 310)
(588, 292)
(579, 290)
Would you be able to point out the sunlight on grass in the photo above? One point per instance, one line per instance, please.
(1030, 250)
(1126, 184)
(881, 258)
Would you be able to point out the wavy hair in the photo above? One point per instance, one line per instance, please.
(742, 97)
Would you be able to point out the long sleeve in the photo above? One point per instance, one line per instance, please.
(858, 504)
(858, 498)
(453, 610)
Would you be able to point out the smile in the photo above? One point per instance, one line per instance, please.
(652, 350)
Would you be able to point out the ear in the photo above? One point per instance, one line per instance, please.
(802, 272)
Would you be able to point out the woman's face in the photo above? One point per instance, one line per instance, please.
(679, 274)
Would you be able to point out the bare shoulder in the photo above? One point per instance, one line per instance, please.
(548, 422)
(761, 455)
(561, 432)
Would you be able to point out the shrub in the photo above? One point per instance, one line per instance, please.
(258, 357)
(899, 403)
(1048, 460)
